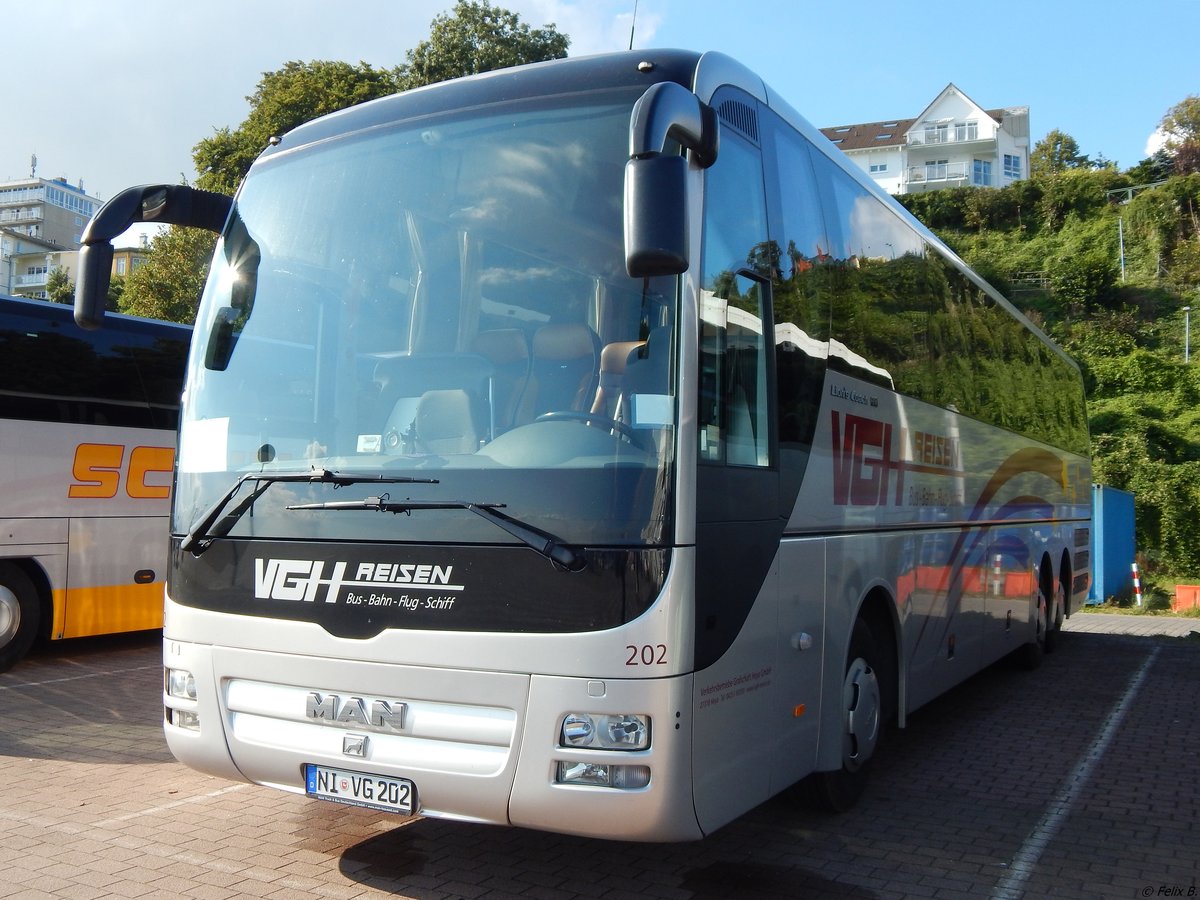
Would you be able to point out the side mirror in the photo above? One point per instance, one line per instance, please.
(165, 204)
(656, 215)
(221, 339)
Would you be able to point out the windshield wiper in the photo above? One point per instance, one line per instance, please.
(209, 528)
(540, 541)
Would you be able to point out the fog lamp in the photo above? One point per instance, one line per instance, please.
(602, 775)
(182, 718)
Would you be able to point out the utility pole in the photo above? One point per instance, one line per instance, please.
(1121, 241)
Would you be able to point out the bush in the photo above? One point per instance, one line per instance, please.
(1083, 282)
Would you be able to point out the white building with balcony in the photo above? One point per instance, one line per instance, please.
(41, 223)
(954, 142)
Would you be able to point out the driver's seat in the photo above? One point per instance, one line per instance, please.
(610, 395)
(564, 368)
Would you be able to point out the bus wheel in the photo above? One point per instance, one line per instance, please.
(19, 615)
(1032, 652)
(862, 702)
(1054, 619)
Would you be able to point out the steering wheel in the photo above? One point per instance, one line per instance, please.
(598, 420)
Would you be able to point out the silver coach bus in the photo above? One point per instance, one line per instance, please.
(588, 446)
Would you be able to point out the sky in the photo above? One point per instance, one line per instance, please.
(117, 93)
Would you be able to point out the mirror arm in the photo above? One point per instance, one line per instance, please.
(157, 204)
(669, 111)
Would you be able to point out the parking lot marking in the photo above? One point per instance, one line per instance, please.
(29, 684)
(154, 810)
(1012, 885)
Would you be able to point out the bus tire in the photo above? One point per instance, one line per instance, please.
(20, 613)
(1055, 618)
(1034, 650)
(864, 699)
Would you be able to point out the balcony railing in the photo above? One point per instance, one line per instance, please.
(956, 171)
(21, 215)
(952, 135)
(28, 281)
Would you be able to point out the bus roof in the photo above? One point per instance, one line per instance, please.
(637, 68)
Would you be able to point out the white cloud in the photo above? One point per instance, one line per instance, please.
(133, 121)
(596, 26)
(1155, 142)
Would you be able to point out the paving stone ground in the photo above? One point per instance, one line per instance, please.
(1081, 779)
(1138, 626)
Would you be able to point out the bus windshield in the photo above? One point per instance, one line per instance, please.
(441, 303)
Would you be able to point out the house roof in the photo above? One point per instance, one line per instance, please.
(888, 133)
(40, 245)
(891, 132)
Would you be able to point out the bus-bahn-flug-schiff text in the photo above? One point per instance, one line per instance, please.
(587, 446)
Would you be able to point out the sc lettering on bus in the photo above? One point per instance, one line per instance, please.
(100, 469)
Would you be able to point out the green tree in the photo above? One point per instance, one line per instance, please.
(1084, 269)
(1181, 125)
(1156, 167)
(1054, 154)
(59, 287)
(116, 290)
(475, 37)
(282, 100)
(1164, 223)
(168, 284)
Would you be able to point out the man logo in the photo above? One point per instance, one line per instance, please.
(355, 712)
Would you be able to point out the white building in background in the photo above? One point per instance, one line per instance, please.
(41, 222)
(954, 142)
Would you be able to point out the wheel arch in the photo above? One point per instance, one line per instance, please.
(1046, 571)
(878, 609)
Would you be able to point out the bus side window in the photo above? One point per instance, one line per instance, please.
(733, 415)
(801, 293)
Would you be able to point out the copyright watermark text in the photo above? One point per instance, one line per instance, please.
(1169, 890)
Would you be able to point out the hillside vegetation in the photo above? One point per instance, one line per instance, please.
(1053, 245)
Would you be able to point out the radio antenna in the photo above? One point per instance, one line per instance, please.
(633, 24)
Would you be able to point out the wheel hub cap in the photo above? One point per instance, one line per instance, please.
(10, 615)
(861, 702)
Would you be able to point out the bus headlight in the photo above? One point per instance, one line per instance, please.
(605, 732)
(181, 684)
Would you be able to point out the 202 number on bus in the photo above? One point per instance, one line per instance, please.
(646, 655)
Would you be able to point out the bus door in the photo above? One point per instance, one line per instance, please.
(737, 482)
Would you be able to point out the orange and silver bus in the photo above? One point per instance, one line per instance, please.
(590, 447)
(87, 446)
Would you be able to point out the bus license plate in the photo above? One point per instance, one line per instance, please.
(360, 789)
